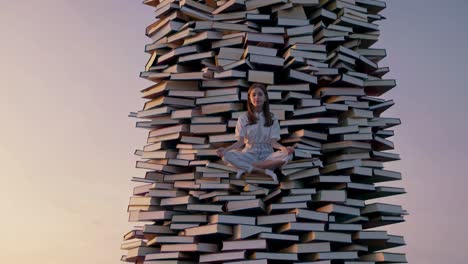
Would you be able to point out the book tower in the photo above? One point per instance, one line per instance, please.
(325, 86)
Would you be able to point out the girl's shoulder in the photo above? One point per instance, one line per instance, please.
(273, 116)
(243, 118)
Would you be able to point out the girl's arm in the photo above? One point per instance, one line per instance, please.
(274, 144)
(275, 136)
(237, 145)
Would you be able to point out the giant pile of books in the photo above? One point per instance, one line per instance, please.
(324, 84)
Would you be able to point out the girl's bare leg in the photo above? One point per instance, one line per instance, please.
(269, 164)
(257, 169)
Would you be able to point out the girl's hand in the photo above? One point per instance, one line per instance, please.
(220, 152)
(290, 150)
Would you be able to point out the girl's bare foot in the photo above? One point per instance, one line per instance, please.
(272, 175)
(239, 174)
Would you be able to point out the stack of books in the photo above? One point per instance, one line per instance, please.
(324, 83)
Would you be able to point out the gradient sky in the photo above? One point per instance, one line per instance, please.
(69, 77)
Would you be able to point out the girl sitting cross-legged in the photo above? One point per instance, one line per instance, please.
(258, 132)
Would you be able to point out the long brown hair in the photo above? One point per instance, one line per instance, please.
(266, 106)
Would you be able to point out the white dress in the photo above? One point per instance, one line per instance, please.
(257, 143)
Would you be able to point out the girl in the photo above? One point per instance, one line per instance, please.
(259, 131)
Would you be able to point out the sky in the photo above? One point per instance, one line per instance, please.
(69, 77)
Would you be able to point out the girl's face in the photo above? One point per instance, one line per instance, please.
(257, 97)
